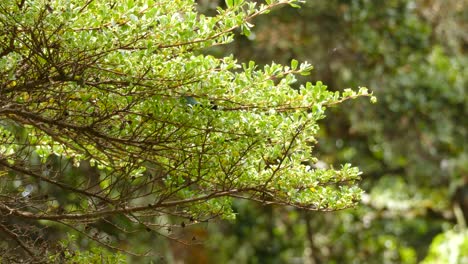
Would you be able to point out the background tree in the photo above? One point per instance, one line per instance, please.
(411, 146)
(114, 123)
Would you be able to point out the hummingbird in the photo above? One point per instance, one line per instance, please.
(191, 102)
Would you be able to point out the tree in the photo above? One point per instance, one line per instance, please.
(114, 119)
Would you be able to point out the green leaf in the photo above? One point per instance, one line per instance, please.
(230, 3)
(294, 64)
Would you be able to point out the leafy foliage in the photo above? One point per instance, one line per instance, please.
(154, 129)
(448, 247)
(94, 255)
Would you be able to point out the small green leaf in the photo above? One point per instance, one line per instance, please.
(230, 3)
(295, 5)
(294, 64)
(246, 31)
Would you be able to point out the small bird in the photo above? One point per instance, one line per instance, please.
(191, 101)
